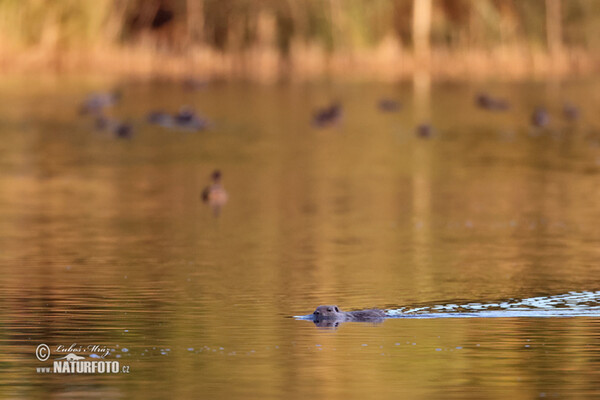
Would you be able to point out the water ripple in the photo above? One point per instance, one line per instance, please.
(572, 304)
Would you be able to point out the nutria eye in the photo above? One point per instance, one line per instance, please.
(329, 309)
(337, 309)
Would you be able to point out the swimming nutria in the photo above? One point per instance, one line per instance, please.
(333, 313)
(215, 195)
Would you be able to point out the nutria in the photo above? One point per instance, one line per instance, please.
(333, 313)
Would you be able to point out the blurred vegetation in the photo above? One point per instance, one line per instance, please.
(178, 27)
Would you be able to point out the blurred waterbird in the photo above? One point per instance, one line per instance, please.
(185, 118)
(188, 119)
(214, 194)
(327, 116)
(540, 117)
(487, 102)
(571, 112)
(160, 118)
(120, 129)
(389, 105)
(95, 103)
(424, 130)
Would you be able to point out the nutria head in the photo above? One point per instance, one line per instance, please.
(327, 312)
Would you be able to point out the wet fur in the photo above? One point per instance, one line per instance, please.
(333, 313)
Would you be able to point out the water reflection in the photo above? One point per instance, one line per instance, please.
(107, 241)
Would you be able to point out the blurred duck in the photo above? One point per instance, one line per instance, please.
(186, 118)
(540, 117)
(487, 102)
(327, 116)
(425, 131)
(214, 194)
(123, 130)
(571, 112)
(389, 105)
(160, 118)
(120, 129)
(95, 103)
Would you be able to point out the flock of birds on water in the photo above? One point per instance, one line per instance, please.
(187, 119)
(540, 118)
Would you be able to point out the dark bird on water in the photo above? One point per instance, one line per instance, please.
(214, 194)
(327, 116)
(120, 129)
(123, 130)
(389, 105)
(95, 103)
(425, 131)
(160, 118)
(487, 102)
(540, 117)
(571, 111)
(186, 118)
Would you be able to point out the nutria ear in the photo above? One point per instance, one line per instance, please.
(336, 308)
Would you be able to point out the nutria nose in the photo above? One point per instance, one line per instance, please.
(316, 313)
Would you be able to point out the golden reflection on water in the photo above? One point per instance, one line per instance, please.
(107, 241)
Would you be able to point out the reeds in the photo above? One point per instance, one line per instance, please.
(301, 39)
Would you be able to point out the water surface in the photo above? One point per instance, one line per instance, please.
(105, 241)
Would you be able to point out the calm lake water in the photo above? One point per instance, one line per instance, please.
(105, 241)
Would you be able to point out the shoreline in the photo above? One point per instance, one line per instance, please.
(387, 63)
